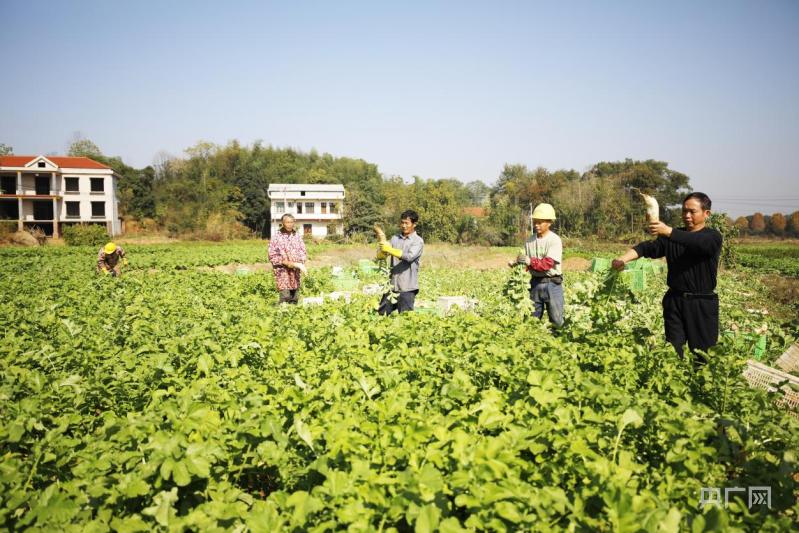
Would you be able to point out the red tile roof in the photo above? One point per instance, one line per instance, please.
(61, 162)
(477, 212)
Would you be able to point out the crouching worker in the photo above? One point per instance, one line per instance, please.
(544, 257)
(404, 252)
(287, 254)
(108, 260)
(690, 307)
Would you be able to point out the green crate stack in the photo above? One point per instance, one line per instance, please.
(427, 308)
(345, 281)
(368, 267)
(657, 267)
(345, 284)
(758, 348)
(600, 265)
(635, 279)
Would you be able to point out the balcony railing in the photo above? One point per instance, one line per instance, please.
(30, 190)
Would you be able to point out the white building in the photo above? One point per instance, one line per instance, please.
(50, 192)
(313, 206)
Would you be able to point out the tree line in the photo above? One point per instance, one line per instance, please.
(778, 225)
(220, 191)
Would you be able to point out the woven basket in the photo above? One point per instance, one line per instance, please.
(789, 361)
(764, 377)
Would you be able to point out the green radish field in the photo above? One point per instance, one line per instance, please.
(180, 398)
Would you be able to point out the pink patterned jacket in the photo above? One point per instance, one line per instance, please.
(286, 247)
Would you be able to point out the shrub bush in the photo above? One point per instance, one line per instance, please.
(335, 238)
(7, 227)
(85, 235)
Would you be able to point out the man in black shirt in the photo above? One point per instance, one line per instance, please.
(690, 307)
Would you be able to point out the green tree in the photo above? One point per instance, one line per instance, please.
(668, 186)
(6, 150)
(440, 212)
(478, 192)
(360, 214)
(137, 199)
(80, 146)
(729, 251)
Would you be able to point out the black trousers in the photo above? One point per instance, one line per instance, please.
(694, 321)
(405, 301)
(289, 296)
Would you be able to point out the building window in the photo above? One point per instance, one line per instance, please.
(279, 207)
(73, 209)
(98, 209)
(41, 164)
(8, 185)
(302, 193)
(324, 208)
(42, 186)
(309, 208)
(307, 229)
(333, 208)
(98, 185)
(71, 185)
(299, 208)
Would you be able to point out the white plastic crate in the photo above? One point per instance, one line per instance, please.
(451, 303)
(335, 296)
(316, 300)
(764, 377)
(371, 289)
(789, 361)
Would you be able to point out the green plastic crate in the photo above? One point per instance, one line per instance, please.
(242, 271)
(636, 264)
(368, 267)
(427, 310)
(600, 265)
(345, 284)
(759, 347)
(635, 279)
(657, 267)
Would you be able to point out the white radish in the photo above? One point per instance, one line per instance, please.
(652, 209)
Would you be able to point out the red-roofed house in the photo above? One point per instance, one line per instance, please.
(476, 212)
(50, 192)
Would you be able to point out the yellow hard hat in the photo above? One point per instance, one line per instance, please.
(110, 248)
(544, 212)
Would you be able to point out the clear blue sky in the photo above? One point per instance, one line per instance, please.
(434, 89)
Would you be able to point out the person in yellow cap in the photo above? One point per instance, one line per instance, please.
(544, 251)
(108, 260)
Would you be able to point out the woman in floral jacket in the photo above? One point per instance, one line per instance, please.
(287, 255)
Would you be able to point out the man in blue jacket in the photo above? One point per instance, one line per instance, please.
(405, 251)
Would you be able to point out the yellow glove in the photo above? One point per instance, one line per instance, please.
(386, 248)
(382, 255)
(125, 262)
(105, 270)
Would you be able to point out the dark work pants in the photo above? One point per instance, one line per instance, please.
(289, 296)
(550, 296)
(405, 301)
(695, 321)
